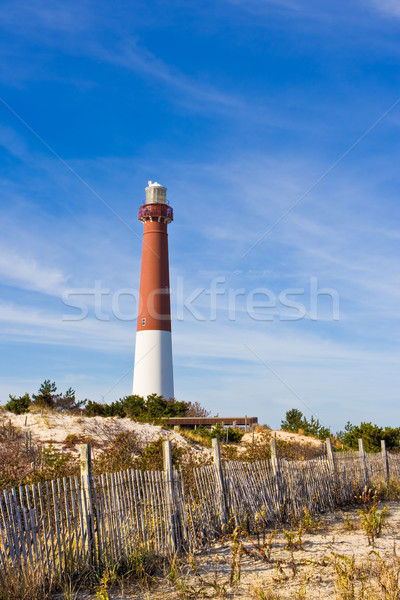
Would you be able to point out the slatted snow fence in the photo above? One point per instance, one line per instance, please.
(49, 527)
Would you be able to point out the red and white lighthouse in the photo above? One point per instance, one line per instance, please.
(153, 371)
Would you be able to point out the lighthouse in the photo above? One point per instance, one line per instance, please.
(153, 373)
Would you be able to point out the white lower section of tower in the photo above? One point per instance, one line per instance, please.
(153, 372)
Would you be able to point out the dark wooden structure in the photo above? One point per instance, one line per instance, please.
(212, 421)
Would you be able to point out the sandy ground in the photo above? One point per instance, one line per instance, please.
(53, 428)
(307, 573)
(286, 436)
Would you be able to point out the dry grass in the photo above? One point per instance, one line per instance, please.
(14, 586)
(331, 562)
(328, 559)
(192, 436)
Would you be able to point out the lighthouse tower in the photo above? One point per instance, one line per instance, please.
(153, 351)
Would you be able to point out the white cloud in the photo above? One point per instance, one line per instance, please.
(390, 8)
(133, 57)
(56, 25)
(75, 31)
(276, 343)
(23, 323)
(14, 143)
(27, 273)
(259, 7)
(35, 18)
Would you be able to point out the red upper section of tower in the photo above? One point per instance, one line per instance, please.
(156, 212)
(154, 297)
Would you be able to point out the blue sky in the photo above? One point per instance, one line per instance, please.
(242, 109)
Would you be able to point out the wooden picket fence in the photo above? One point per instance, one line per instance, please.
(65, 523)
(72, 521)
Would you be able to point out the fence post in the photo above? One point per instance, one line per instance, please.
(216, 452)
(86, 495)
(167, 460)
(331, 456)
(277, 473)
(385, 461)
(363, 464)
(274, 457)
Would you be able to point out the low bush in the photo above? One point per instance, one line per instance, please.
(372, 520)
(193, 435)
(119, 454)
(19, 404)
(371, 435)
(227, 434)
(153, 409)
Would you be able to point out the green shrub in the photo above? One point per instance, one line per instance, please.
(295, 421)
(152, 456)
(124, 452)
(219, 431)
(372, 521)
(20, 404)
(120, 453)
(371, 435)
(53, 464)
(155, 409)
(96, 409)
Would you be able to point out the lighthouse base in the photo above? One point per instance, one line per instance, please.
(153, 364)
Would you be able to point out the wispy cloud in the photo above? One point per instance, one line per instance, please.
(315, 10)
(56, 25)
(263, 5)
(14, 143)
(23, 323)
(26, 273)
(390, 8)
(132, 56)
(74, 32)
(35, 18)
